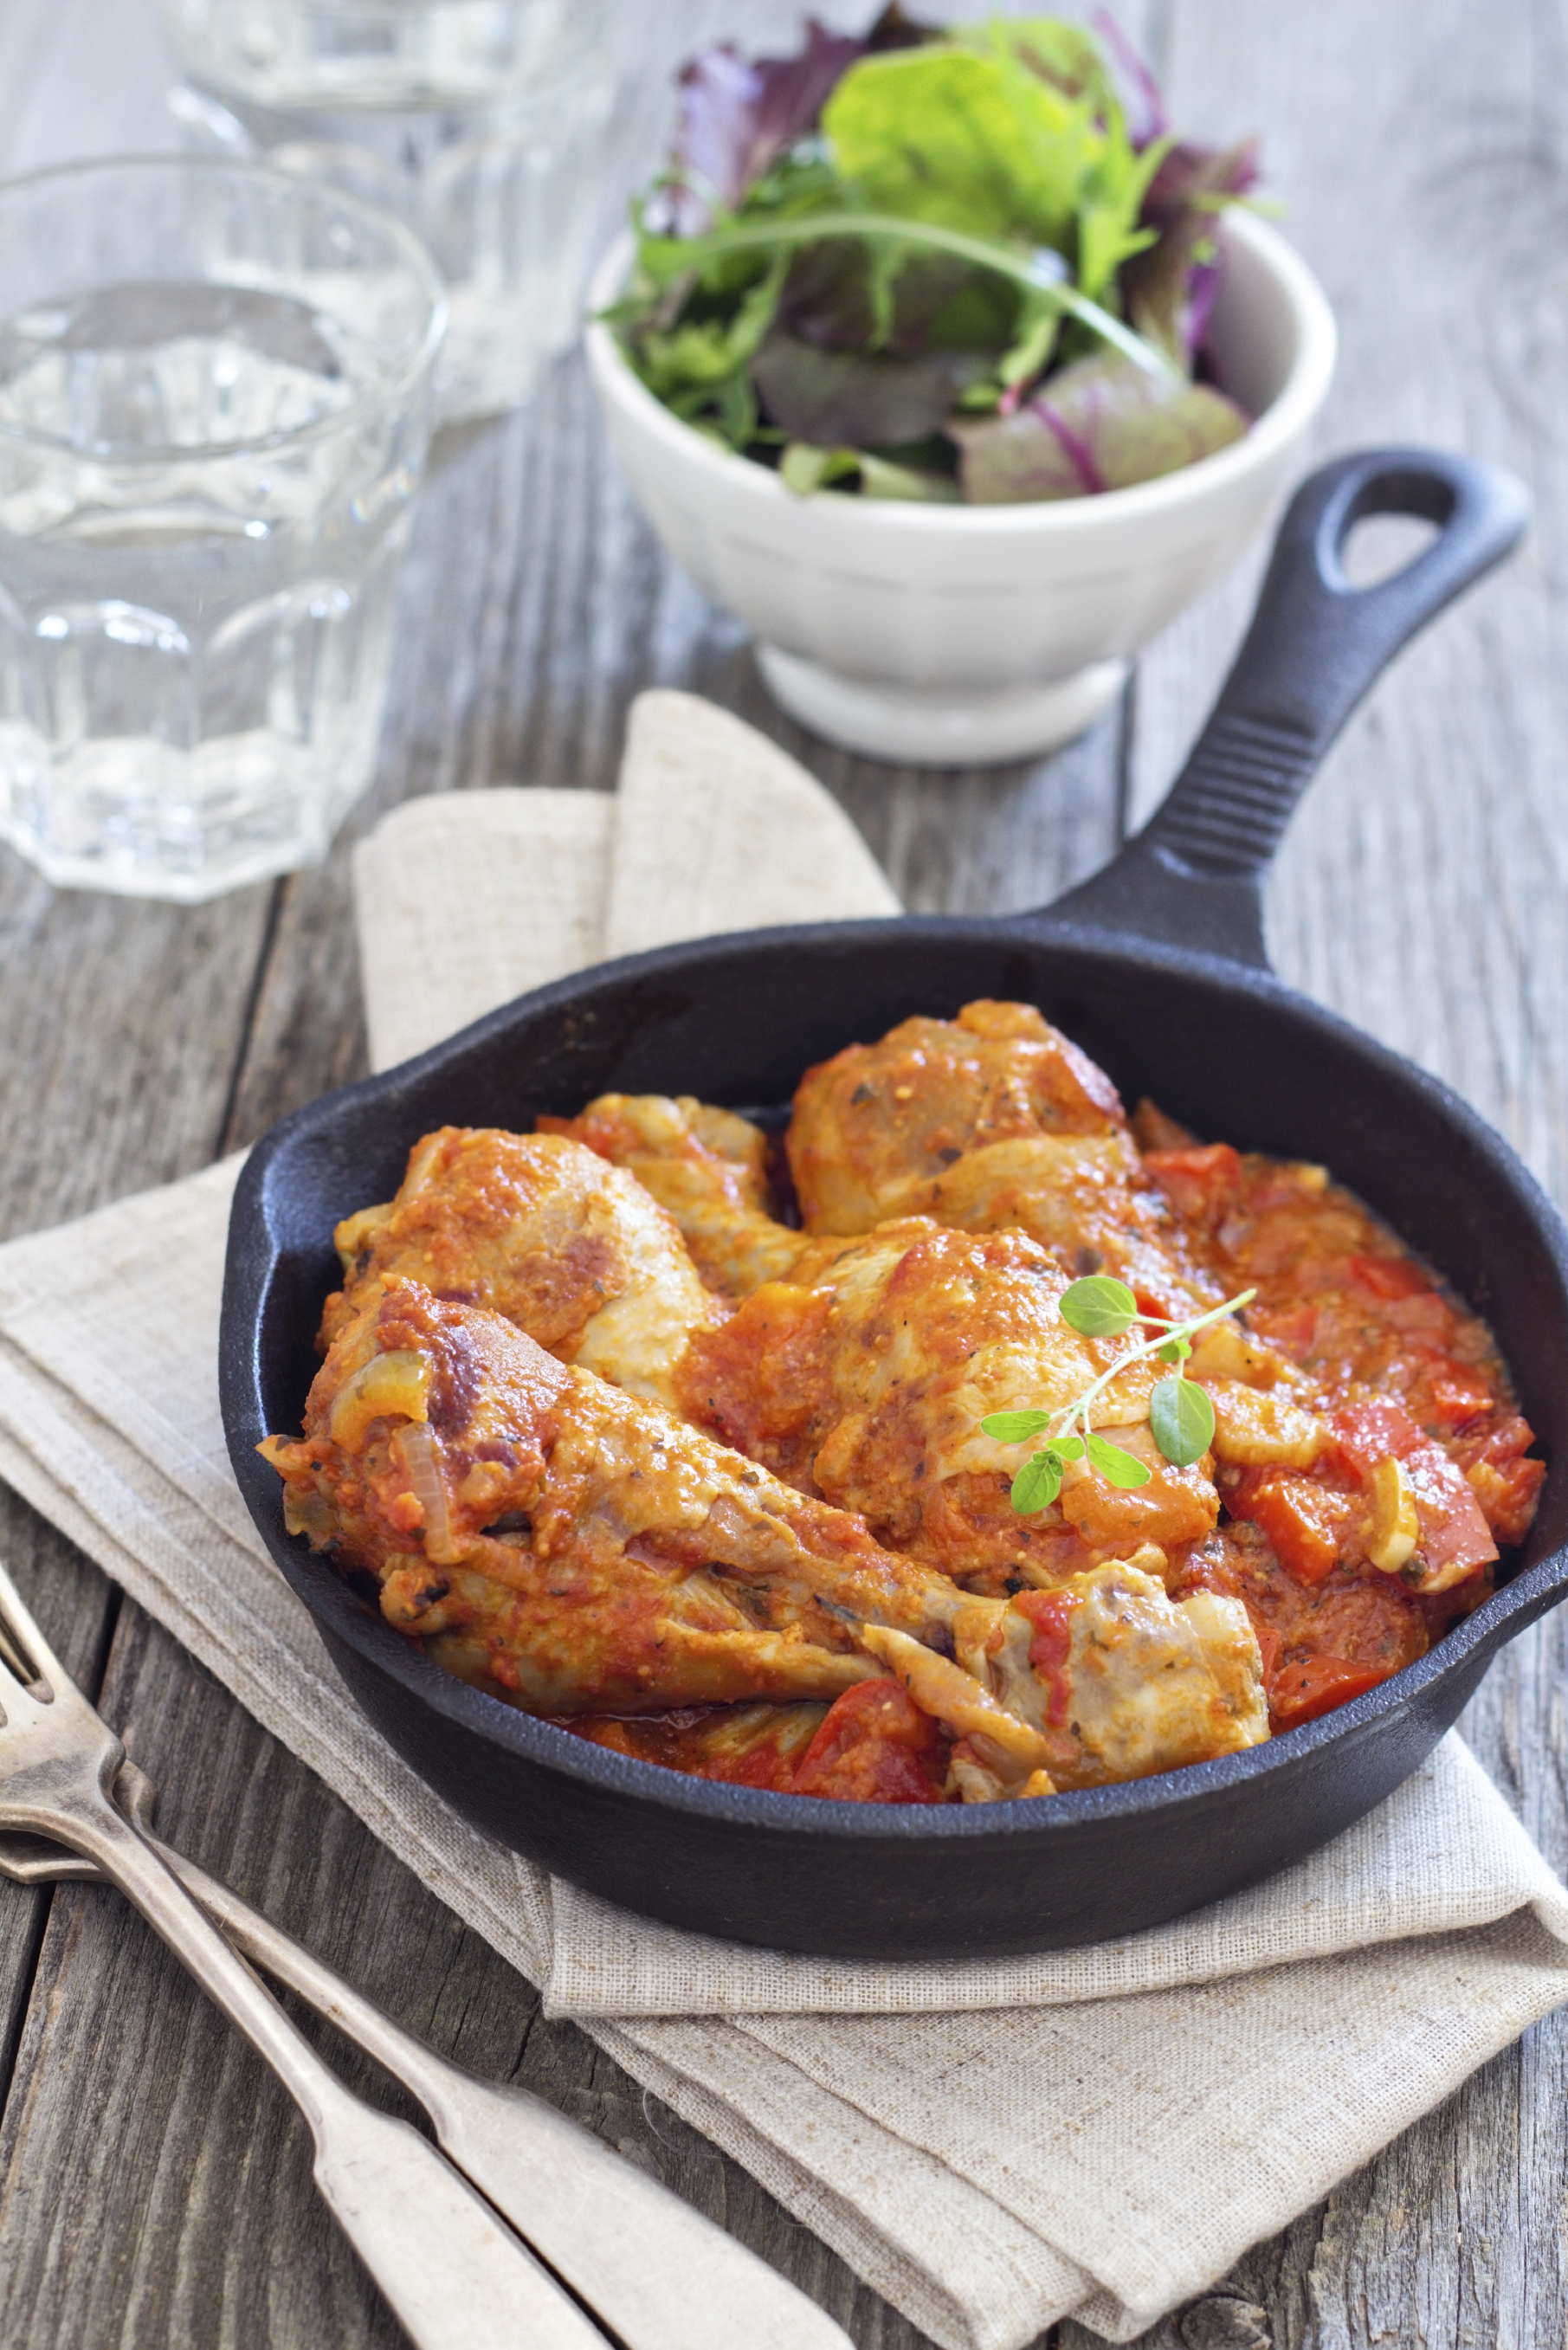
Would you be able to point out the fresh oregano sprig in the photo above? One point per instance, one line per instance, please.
(1181, 1416)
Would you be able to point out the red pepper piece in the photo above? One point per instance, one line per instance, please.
(1457, 1399)
(1507, 1495)
(1455, 1536)
(1316, 1685)
(1304, 1522)
(1365, 1433)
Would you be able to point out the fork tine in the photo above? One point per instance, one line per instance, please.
(9, 1658)
(20, 1638)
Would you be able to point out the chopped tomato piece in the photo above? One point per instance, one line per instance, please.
(1455, 1537)
(1389, 1276)
(1304, 1522)
(1365, 1433)
(1316, 1685)
(1505, 1442)
(873, 1748)
(1507, 1495)
(1051, 1612)
(1423, 1318)
(1293, 1331)
(1457, 1399)
(1201, 1183)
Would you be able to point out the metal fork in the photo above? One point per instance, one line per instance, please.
(657, 2272)
(456, 2278)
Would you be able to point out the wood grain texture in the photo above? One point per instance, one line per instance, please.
(1420, 153)
(154, 2187)
(154, 2184)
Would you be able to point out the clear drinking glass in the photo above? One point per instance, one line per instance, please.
(215, 402)
(479, 123)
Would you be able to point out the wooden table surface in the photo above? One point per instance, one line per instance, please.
(154, 2184)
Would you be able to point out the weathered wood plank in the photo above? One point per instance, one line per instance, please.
(154, 2175)
(76, 1606)
(536, 605)
(1420, 153)
(542, 608)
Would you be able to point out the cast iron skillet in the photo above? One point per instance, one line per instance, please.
(1156, 967)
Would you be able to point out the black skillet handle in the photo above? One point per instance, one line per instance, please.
(1193, 876)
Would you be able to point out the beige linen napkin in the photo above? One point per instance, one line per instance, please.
(994, 2145)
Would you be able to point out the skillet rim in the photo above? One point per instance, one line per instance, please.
(1528, 1593)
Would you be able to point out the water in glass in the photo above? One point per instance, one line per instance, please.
(479, 123)
(205, 496)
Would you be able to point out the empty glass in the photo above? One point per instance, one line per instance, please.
(481, 123)
(215, 402)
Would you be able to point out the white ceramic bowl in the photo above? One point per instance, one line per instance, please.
(956, 635)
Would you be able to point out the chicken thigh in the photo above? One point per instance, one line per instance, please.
(989, 1123)
(544, 1231)
(579, 1549)
(868, 1378)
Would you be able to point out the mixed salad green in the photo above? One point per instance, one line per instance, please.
(970, 263)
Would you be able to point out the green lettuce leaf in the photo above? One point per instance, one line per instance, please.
(965, 139)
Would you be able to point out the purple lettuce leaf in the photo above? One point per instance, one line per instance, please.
(895, 29)
(739, 115)
(827, 297)
(1171, 289)
(1101, 425)
(1146, 119)
(863, 399)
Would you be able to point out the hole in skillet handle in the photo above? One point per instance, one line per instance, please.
(1382, 546)
(1193, 876)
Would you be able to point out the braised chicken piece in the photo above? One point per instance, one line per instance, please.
(542, 1231)
(576, 1548)
(867, 1379)
(619, 1445)
(989, 1123)
(708, 1167)
(877, 1121)
(864, 1380)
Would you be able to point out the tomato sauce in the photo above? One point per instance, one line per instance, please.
(1397, 1370)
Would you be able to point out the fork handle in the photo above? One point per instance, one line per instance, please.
(631, 2247)
(454, 2274)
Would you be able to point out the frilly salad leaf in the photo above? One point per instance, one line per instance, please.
(738, 117)
(866, 398)
(1170, 288)
(936, 263)
(1101, 425)
(964, 140)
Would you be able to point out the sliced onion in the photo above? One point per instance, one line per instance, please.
(423, 1464)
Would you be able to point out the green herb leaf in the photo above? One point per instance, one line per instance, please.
(1175, 1350)
(1068, 1448)
(1182, 1419)
(1099, 1306)
(1015, 1427)
(1117, 1467)
(1037, 1484)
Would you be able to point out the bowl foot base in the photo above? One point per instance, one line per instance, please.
(938, 726)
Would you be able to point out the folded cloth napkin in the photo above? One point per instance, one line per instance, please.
(993, 2144)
